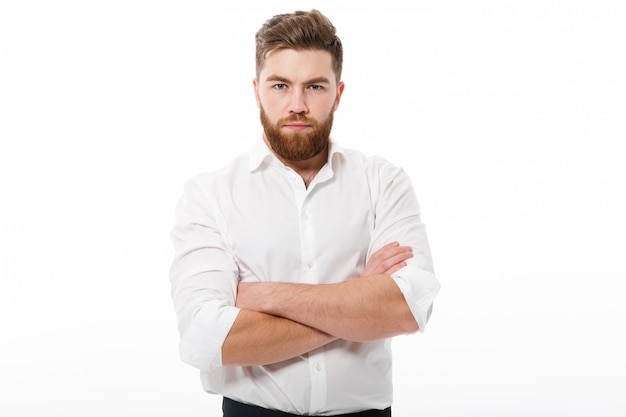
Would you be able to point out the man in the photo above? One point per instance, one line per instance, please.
(297, 262)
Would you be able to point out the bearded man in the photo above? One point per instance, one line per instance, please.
(298, 262)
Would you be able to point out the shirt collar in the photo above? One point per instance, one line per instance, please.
(259, 154)
(262, 154)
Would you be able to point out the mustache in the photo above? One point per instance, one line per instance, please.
(296, 118)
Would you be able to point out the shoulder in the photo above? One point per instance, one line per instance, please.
(375, 167)
(223, 175)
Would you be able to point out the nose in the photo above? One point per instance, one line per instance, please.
(298, 103)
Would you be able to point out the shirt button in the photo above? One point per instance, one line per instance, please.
(318, 367)
(305, 215)
(309, 264)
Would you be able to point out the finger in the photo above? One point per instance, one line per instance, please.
(387, 260)
(383, 250)
(395, 268)
(388, 251)
(395, 260)
(392, 255)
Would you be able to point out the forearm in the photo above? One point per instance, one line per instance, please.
(369, 308)
(260, 339)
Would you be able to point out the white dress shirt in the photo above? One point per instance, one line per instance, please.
(255, 220)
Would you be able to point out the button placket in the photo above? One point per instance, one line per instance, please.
(319, 383)
(307, 234)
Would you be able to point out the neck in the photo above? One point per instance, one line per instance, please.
(308, 168)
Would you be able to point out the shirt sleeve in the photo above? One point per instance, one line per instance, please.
(398, 218)
(203, 279)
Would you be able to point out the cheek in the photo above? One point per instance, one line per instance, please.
(324, 108)
(271, 105)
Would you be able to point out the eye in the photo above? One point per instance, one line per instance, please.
(316, 87)
(279, 86)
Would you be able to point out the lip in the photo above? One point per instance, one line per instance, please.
(297, 126)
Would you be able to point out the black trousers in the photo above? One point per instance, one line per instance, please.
(236, 409)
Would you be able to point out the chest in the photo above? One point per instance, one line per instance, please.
(283, 232)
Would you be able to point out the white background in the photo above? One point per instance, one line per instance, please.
(508, 115)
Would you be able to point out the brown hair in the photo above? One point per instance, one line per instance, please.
(299, 30)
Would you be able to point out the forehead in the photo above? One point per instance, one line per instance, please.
(298, 65)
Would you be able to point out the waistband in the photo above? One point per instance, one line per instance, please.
(233, 408)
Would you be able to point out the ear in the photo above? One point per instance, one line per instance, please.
(340, 88)
(255, 84)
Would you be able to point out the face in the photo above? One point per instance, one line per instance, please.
(297, 94)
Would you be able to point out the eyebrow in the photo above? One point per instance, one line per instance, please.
(316, 80)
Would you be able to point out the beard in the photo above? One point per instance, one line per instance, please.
(297, 146)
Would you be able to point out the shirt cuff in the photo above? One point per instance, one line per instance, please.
(419, 288)
(201, 344)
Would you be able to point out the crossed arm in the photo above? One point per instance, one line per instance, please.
(279, 321)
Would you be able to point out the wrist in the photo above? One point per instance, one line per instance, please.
(256, 296)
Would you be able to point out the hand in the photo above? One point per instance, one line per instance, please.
(388, 259)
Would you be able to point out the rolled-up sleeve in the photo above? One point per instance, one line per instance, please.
(398, 218)
(203, 278)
